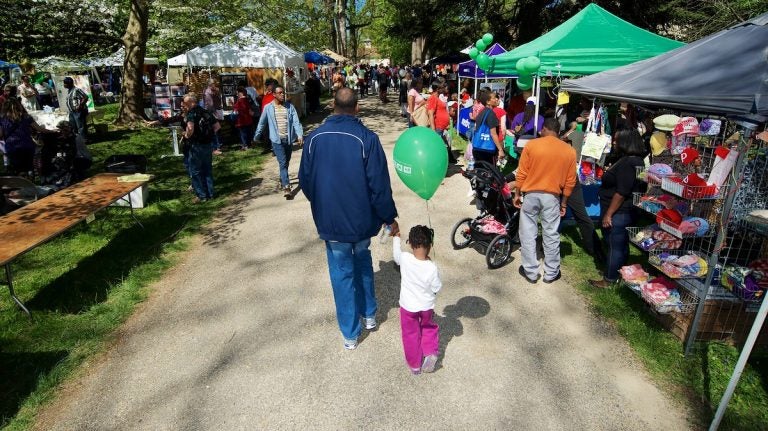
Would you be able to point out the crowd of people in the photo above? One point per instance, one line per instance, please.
(58, 157)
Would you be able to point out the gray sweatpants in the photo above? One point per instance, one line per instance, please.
(544, 207)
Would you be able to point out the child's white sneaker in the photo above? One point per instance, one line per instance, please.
(370, 322)
(429, 364)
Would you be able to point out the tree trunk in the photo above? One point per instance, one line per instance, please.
(341, 27)
(135, 41)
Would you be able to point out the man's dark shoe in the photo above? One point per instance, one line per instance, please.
(521, 270)
(553, 279)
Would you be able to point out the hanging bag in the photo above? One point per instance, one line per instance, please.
(482, 138)
(420, 116)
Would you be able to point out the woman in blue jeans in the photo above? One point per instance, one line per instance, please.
(619, 182)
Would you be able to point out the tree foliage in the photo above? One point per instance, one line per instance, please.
(40, 28)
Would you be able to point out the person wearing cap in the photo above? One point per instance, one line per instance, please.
(619, 182)
(523, 123)
(546, 175)
(77, 104)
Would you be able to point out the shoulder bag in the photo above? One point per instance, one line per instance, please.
(420, 116)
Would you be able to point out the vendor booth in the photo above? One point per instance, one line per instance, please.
(253, 53)
(470, 69)
(707, 185)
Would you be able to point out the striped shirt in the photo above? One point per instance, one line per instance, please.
(281, 117)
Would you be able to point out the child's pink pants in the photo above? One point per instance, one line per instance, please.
(420, 335)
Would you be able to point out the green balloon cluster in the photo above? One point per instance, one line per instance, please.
(483, 60)
(525, 68)
(420, 160)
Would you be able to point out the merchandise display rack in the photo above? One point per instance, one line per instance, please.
(733, 237)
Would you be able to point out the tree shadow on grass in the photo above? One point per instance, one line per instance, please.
(19, 375)
(89, 282)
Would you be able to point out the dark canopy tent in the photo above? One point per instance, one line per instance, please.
(317, 58)
(591, 41)
(450, 58)
(724, 73)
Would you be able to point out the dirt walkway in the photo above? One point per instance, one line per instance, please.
(242, 335)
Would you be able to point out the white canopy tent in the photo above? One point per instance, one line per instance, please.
(117, 58)
(247, 47)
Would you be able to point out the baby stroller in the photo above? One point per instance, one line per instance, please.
(496, 225)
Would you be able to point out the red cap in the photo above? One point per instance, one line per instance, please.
(722, 152)
(689, 155)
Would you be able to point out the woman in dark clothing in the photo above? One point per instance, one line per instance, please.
(16, 130)
(619, 182)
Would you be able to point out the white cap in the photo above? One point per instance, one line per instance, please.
(531, 100)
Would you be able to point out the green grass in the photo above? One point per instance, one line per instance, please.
(698, 380)
(82, 285)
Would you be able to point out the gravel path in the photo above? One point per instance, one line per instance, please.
(242, 335)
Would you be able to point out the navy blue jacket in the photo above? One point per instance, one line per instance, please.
(344, 175)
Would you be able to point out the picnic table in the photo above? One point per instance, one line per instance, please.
(34, 224)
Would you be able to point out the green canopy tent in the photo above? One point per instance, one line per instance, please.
(591, 41)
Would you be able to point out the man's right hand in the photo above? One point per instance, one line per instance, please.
(517, 202)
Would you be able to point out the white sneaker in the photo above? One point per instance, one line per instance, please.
(350, 344)
(429, 364)
(370, 322)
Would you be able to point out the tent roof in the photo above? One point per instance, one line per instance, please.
(116, 59)
(469, 69)
(338, 57)
(317, 58)
(246, 47)
(724, 73)
(591, 41)
(6, 65)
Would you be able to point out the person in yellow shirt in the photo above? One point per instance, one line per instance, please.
(546, 176)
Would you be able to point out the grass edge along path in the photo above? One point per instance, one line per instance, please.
(698, 380)
(82, 285)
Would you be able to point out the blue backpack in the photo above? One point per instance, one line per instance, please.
(481, 138)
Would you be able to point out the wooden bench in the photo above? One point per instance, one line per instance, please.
(32, 225)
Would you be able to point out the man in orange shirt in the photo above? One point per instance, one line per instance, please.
(546, 175)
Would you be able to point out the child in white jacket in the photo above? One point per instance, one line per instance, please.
(420, 282)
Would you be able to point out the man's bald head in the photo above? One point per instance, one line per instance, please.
(345, 101)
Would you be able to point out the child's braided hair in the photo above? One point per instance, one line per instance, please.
(421, 236)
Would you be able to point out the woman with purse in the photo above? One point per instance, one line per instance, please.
(438, 116)
(619, 182)
(417, 105)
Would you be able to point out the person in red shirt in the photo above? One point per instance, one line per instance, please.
(501, 114)
(438, 116)
(244, 119)
(268, 95)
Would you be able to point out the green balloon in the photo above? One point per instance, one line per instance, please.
(524, 86)
(473, 53)
(532, 64)
(488, 39)
(421, 160)
(483, 60)
(480, 45)
(520, 66)
(525, 79)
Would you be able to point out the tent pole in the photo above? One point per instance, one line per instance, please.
(750, 343)
(536, 90)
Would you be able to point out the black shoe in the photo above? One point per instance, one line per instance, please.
(522, 272)
(554, 279)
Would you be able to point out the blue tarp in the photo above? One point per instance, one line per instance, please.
(317, 58)
(6, 65)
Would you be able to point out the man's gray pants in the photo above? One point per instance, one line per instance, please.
(546, 208)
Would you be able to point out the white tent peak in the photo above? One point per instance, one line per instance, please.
(246, 47)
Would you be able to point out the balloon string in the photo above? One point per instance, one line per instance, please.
(429, 222)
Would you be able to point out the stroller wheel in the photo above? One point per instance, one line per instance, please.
(498, 251)
(461, 235)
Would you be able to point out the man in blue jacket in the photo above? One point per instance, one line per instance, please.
(344, 175)
(284, 128)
